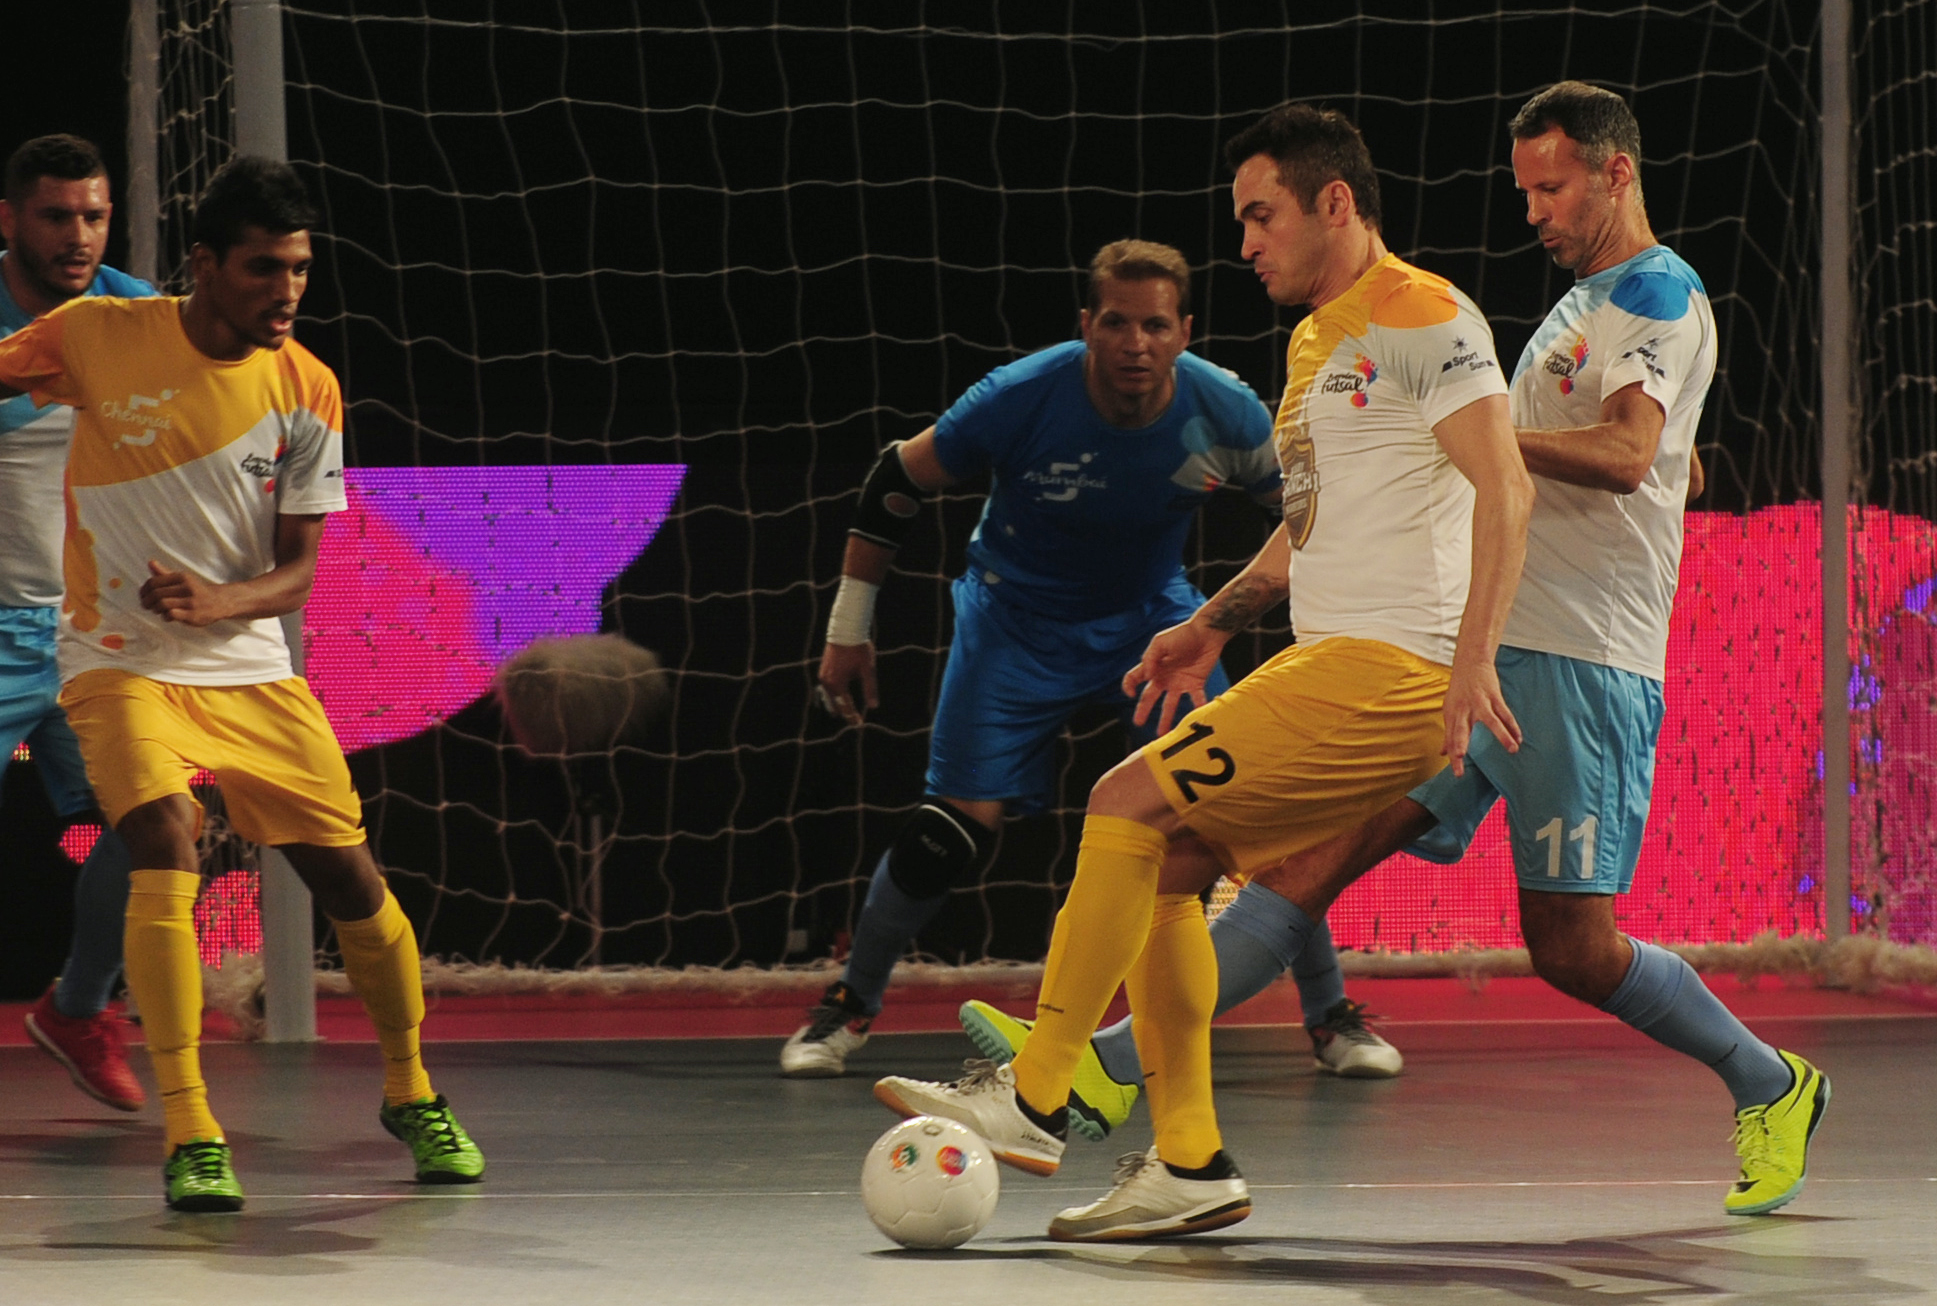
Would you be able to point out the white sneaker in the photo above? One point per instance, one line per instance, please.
(1150, 1202)
(819, 1049)
(1345, 1046)
(985, 1100)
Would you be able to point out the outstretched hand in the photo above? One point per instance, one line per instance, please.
(1473, 698)
(1173, 671)
(847, 680)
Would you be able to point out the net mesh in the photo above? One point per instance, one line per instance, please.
(737, 250)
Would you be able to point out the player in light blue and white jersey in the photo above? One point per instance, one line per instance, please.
(1606, 399)
(54, 217)
(1099, 452)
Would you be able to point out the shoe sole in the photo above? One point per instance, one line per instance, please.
(206, 1204)
(1216, 1218)
(1794, 1190)
(1034, 1165)
(811, 1072)
(1356, 1072)
(52, 1049)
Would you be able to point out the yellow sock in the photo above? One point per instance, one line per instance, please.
(1173, 991)
(1099, 933)
(380, 957)
(165, 975)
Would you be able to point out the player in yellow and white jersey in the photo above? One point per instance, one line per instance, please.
(207, 450)
(1406, 506)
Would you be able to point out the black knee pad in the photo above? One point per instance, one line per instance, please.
(933, 851)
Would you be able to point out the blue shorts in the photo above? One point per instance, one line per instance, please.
(1015, 678)
(1577, 791)
(30, 686)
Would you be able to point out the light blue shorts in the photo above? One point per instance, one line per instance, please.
(1015, 678)
(30, 686)
(1577, 791)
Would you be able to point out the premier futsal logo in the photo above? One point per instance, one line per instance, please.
(136, 412)
(1567, 364)
(1357, 382)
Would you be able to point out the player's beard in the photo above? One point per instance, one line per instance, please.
(40, 275)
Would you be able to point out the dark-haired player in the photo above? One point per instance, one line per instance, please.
(54, 216)
(207, 451)
(1099, 452)
(1405, 508)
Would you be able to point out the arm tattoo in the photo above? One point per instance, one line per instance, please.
(1242, 602)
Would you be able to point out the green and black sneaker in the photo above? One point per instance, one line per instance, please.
(199, 1177)
(444, 1153)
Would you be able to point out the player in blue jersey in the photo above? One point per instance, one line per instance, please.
(54, 216)
(1099, 453)
(1606, 399)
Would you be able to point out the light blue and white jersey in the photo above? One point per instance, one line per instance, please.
(33, 461)
(1602, 567)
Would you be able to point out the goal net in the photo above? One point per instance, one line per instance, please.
(625, 299)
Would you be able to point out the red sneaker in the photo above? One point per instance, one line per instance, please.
(91, 1050)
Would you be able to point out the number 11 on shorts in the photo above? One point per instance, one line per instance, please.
(1583, 834)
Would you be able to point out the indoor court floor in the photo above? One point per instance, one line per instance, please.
(1543, 1161)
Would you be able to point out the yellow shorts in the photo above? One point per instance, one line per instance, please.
(1308, 746)
(270, 747)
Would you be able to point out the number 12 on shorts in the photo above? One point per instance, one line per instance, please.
(1583, 834)
(1187, 781)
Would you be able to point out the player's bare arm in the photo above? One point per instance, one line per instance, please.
(847, 681)
(189, 599)
(1697, 478)
(1179, 660)
(1613, 454)
(1479, 440)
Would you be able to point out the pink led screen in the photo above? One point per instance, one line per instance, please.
(1735, 841)
(434, 576)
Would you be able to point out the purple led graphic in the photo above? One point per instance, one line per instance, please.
(434, 576)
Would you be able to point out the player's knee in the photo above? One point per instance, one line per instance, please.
(1127, 790)
(935, 851)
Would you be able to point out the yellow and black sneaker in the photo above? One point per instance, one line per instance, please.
(1097, 1103)
(1773, 1142)
(443, 1152)
(200, 1177)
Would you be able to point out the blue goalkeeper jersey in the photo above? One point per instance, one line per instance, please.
(1084, 518)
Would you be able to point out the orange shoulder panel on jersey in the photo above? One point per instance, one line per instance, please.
(316, 386)
(1412, 297)
(33, 360)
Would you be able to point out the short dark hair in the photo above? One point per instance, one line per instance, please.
(1312, 147)
(63, 157)
(1598, 122)
(250, 191)
(1139, 260)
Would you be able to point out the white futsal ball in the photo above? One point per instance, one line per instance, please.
(930, 1183)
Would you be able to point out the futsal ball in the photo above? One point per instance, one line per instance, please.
(930, 1183)
(580, 694)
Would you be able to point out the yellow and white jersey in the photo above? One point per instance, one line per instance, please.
(1380, 521)
(178, 458)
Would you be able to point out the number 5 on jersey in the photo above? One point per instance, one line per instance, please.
(1187, 780)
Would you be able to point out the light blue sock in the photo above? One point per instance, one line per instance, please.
(1258, 938)
(890, 920)
(1321, 984)
(1665, 999)
(100, 910)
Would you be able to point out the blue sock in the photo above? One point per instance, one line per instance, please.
(1258, 938)
(1665, 999)
(1321, 984)
(100, 910)
(890, 920)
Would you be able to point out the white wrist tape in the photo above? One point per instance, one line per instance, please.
(851, 619)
